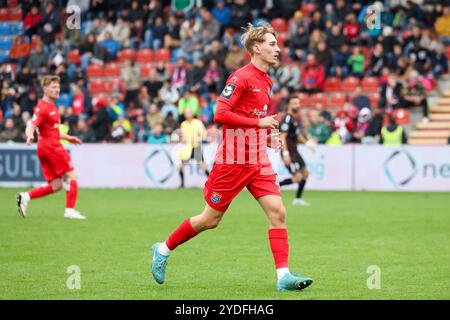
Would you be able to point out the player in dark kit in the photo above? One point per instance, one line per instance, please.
(242, 160)
(291, 135)
(54, 159)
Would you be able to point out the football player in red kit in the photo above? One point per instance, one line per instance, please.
(241, 159)
(55, 160)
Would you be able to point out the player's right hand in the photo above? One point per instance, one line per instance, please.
(30, 140)
(287, 160)
(269, 122)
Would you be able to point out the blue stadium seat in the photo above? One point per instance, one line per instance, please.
(5, 43)
(5, 29)
(3, 54)
(65, 99)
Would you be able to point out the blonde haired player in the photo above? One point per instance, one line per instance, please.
(242, 160)
(55, 160)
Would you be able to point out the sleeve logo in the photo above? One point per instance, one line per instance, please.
(228, 91)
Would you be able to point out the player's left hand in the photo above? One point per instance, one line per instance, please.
(73, 140)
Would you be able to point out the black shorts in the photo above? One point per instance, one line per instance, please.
(196, 154)
(297, 163)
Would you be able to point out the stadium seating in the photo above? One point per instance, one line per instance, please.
(349, 84)
(402, 116)
(145, 70)
(332, 84)
(97, 86)
(94, 71)
(4, 14)
(162, 54)
(144, 56)
(73, 56)
(318, 98)
(337, 100)
(111, 70)
(279, 24)
(370, 84)
(126, 54)
(15, 15)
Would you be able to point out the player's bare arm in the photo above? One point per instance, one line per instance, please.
(29, 132)
(70, 139)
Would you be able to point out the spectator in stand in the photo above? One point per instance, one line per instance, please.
(130, 75)
(102, 123)
(362, 124)
(158, 32)
(442, 25)
(37, 58)
(390, 94)
(10, 133)
(351, 28)
(414, 94)
(169, 97)
(378, 60)
(324, 56)
(180, 75)
(19, 51)
(162, 72)
(298, 44)
(196, 77)
(140, 128)
(222, 14)
(214, 77)
(373, 131)
(359, 99)
(152, 84)
(439, 62)
(28, 101)
(111, 46)
(84, 132)
(356, 62)
(318, 129)
(188, 101)
(420, 57)
(317, 22)
(392, 134)
(157, 135)
(121, 32)
(312, 75)
(336, 39)
(339, 66)
(170, 124)
(235, 58)
(290, 77)
(78, 100)
(343, 125)
(240, 13)
(172, 37)
(32, 21)
(154, 116)
(316, 37)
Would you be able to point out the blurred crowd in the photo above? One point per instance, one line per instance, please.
(401, 43)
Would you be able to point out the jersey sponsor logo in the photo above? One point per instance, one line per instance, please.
(262, 113)
(256, 90)
(228, 91)
(216, 197)
(52, 113)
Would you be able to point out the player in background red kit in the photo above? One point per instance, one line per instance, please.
(55, 160)
(242, 160)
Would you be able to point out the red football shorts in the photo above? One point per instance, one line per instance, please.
(55, 161)
(226, 181)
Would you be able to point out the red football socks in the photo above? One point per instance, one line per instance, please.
(182, 234)
(71, 194)
(279, 245)
(40, 192)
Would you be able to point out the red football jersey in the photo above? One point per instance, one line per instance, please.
(47, 120)
(244, 100)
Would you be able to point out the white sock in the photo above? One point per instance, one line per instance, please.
(163, 249)
(69, 210)
(281, 272)
(27, 196)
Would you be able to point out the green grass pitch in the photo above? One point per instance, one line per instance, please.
(407, 235)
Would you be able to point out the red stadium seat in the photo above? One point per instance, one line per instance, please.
(162, 54)
(349, 84)
(114, 85)
(337, 100)
(111, 70)
(15, 15)
(279, 24)
(97, 86)
(282, 37)
(304, 99)
(370, 84)
(126, 54)
(145, 70)
(401, 116)
(332, 84)
(12, 3)
(318, 98)
(73, 56)
(307, 8)
(94, 70)
(144, 56)
(4, 15)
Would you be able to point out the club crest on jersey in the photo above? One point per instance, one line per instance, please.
(228, 91)
(216, 197)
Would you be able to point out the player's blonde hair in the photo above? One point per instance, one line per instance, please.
(47, 80)
(254, 34)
